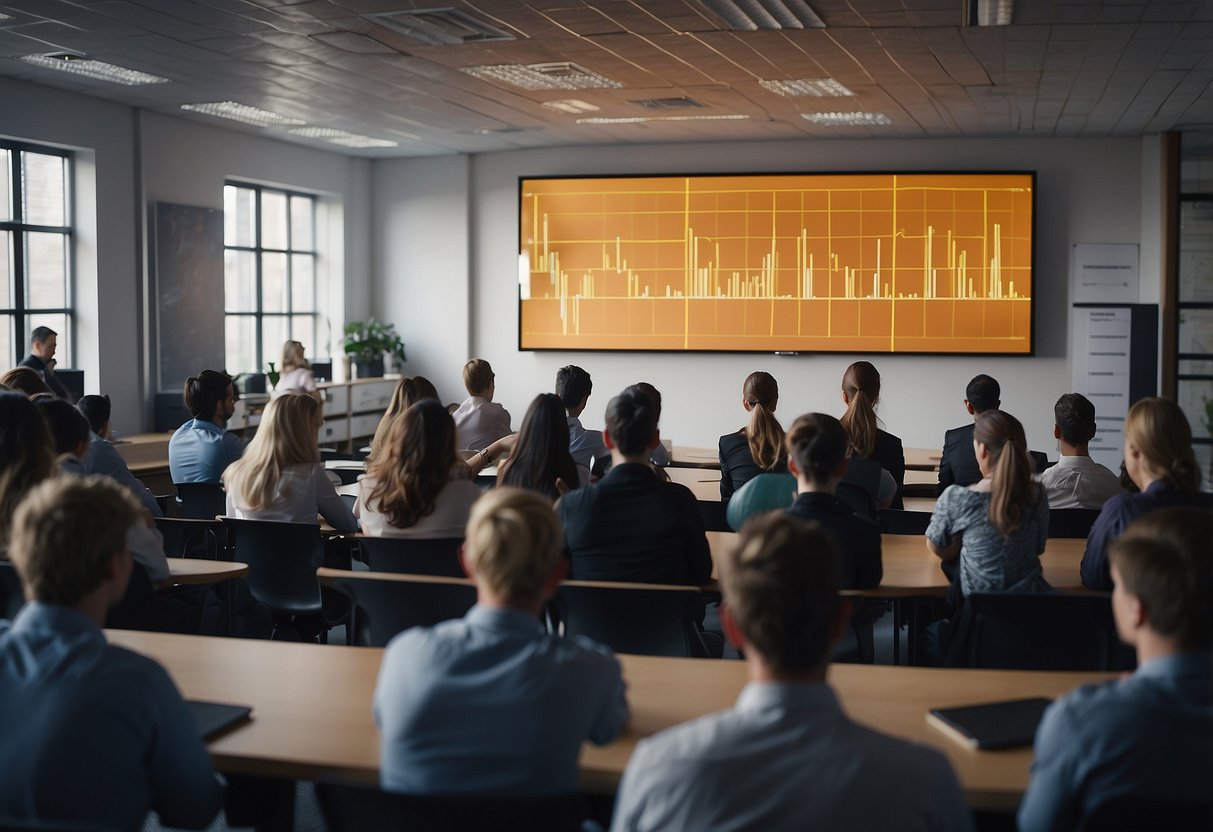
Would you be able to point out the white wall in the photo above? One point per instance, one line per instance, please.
(1087, 191)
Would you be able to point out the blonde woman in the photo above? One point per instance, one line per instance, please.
(296, 372)
(280, 476)
(757, 447)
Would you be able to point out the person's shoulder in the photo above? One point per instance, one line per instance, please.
(427, 644)
(461, 489)
(887, 440)
(954, 435)
(677, 751)
(732, 441)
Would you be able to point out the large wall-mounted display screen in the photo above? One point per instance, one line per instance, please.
(888, 263)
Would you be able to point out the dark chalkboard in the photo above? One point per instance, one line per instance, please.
(187, 263)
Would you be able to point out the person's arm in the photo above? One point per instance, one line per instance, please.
(106, 460)
(726, 479)
(480, 460)
(1108, 526)
(887, 490)
(184, 790)
(946, 475)
(330, 505)
(1052, 801)
(613, 713)
(941, 540)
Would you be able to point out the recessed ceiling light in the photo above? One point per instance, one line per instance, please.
(752, 15)
(847, 119)
(814, 87)
(571, 105)
(341, 137)
(97, 70)
(551, 76)
(242, 113)
(640, 119)
(4, 16)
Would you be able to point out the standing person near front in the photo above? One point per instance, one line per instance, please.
(958, 465)
(201, 449)
(41, 359)
(757, 447)
(1077, 481)
(861, 394)
(480, 421)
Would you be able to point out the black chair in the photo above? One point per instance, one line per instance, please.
(895, 521)
(1041, 631)
(384, 604)
(1071, 522)
(201, 500)
(354, 809)
(12, 594)
(190, 538)
(1040, 461)
(1131, 814)
(714, 516)
(647, 619)
(348, 476)
(414, 556)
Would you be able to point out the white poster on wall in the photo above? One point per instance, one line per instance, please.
(1104, 273)
(1102, 342)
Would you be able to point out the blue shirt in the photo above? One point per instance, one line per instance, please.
(1149, 735)
(103, 459)
(200, 450)
(94, 734)
(490, 703)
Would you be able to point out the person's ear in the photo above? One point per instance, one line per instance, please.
(793, 468)
(969, 407)
(607, 441)
(559, 572)
(745, 404)
(730, 628)
(1057, 431)
(841, 620)
(463, 562)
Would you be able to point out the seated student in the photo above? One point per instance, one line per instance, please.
(573, 386)
(408, 392)
(94, 735)
(101, 457)
(660, 456)
(757, 447)
(490, 703)
(997, 527)
(27, 454)
(817, 457)
(786, 756)
(631, 525)
(479, 420)
(1148, 735)
(541, 460)
(418, 486)
(201, 449)
(24, 380)
(958, 465)
(861, 394)
(280, 476)
(1077, 481)
(297, 376)
(1160, 460)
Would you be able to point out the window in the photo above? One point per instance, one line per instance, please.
(1194, 351)
(35, 249)
(269, 260)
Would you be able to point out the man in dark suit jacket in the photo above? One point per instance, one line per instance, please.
(959, 463)
(41, 359)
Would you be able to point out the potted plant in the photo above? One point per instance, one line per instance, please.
(366, 342)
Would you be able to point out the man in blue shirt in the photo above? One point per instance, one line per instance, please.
(1149, 735)
(202, 448)
(94, 735)
(490, 703)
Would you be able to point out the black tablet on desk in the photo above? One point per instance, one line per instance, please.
(994, 725)
(213, 718)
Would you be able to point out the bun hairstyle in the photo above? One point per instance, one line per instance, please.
(1011, 486)
(631, 421)
(818, 443)
(1159, 429)
(861, 386)
(204, 391)
(764, 433)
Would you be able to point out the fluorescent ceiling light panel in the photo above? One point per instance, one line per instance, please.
(812, 87)
(342, 137)
(574, 106)
(440, 27)
(97, 70)
(552, 76)
(752, 15)
(641, 119)
(847, 119)
(990, 12)
(242, 113)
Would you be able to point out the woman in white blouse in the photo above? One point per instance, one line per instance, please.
(280, 476)
(297, 374)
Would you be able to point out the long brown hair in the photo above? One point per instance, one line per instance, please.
(764, 433)
(1011, 484)
(27, 454)
(285, 437)
(408, 392)
(1159, 429)
(416, 464)
(861, 386)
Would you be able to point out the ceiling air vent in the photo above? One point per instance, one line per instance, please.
(440, 27)
(752, 15)
(681, 103)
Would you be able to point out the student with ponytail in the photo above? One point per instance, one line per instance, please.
(861, 393)
(757, 447)
(1160, 461)
(998, 525)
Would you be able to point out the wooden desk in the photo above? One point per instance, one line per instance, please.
(312, 707)
(703, 482)
(200, 572)
(923, 459)
(146, 454)
(686, 456)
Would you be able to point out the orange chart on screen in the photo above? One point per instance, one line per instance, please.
(923, 263)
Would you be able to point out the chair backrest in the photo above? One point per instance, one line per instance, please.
(1042, 631)
(1040, 461)
(190, 538)
(647, 619)
(1071, 522)
(415, 556)
(898, 521)
(763, 493)
(12, 594)
(385, 604)
(282, 560)
(355, 808)
(201, 500)
(1129, 813)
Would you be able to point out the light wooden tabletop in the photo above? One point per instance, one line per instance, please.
(197, 571)
(312, 707)
(922, 459)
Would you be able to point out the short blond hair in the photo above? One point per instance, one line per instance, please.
(65, 531)
(477, 376)
(513, 543)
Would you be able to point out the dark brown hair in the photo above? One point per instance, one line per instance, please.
(861, 384)
(417, 461)
(1011, 485)
(818, 443)
(764, 434)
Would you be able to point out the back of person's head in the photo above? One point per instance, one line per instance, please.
(204, 392)
(24, 380)
(477, 376)
(1164, 559)
(764, 434)
(1074, 416)
(781, 584)
(1011, 484)
(41, 334)
(513, 543)
(1159, 430)
(861, 386)
(409, 391)
(286, 436)
(416, 464)
(64, 533)
(653, 393)
(69, 429)
(27, 454)
(632, 422)
(541, 451)
(97, 410)
(293, 356)
(573, 385)
(818, 443)
(983, 393)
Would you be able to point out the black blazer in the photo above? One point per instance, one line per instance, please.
(39, 366)
(892, 457)
(858, 539)
(634, 527)
(737, 465)
(958, 466)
